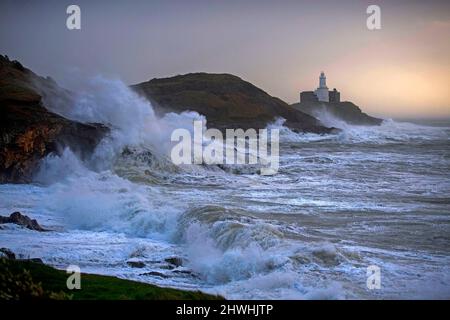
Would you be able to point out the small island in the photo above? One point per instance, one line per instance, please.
(323, 101)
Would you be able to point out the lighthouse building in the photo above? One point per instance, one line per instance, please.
(321, 93)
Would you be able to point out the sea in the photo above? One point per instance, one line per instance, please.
(341, 205)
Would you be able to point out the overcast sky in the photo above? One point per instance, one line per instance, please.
(280, 46)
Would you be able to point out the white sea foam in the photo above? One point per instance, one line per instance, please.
(389, 131)
(294, 235)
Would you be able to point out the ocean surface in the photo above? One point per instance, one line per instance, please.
(339, 203)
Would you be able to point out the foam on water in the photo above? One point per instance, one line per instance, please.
(366, 195)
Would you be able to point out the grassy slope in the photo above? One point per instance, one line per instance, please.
(226, 100)
(97, 287)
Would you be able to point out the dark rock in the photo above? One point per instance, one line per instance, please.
(155, 273)
(346, 111)
(35, 260)
(136, 264)
(178, 262)
(22, 220)
(28, 130)
(186, 272)
(226, 100)
(6, 253)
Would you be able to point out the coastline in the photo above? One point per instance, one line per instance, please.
(34, 280)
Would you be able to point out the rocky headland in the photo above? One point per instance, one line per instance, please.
(28, 130)
(345, 111)
(226, 100)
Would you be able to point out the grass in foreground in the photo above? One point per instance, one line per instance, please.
(29, 280)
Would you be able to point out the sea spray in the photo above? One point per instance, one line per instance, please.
(130, 117)
(308, 232)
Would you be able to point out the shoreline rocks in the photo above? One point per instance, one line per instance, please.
(22, 220)
(345, 111)
(7, 254)
(28, 130)
(174, 261)
(136, 264)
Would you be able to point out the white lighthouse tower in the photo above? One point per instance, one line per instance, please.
(322, 91)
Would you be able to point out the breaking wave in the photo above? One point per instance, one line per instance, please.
(389, 132)
(236, 233)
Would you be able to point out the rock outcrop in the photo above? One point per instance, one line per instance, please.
(136, 264)
(22, 220)
(345, 111)
(28, 131)
(7, 254)
(226, 100)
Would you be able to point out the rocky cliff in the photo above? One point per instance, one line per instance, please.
(226, 100)
(28, 131)
(346, 111)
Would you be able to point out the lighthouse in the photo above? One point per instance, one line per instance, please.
(322, 91)
(321, 94)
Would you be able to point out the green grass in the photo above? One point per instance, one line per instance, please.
(28, 280)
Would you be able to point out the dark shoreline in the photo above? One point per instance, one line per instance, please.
(29, 280)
